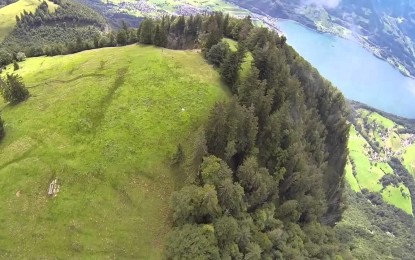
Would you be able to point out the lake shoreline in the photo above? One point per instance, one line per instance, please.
(408, 122)
(355, 39)
(355, 70)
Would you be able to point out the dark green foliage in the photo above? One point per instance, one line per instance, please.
(274, 163)
(257, 183)
(146, 31)
(228, 235)
(214, 31)
(406, 178)
(160, 36)
(6, 2)
(178, 157)
(5, 57)
(15, 65)
(122, 37)
(377, 232)
(232, 133)
(217, 54)
(214, 171)
(238, 29)
(192, 242)
(230, 67)
(196, 205)
(13, 89)
(231, 197)
(1, 129)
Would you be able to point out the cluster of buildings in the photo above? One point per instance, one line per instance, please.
(188, 10)
(388, 152)
(142, 6)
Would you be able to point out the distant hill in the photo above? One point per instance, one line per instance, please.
(379, 223)
(6, 2)
(36, 28)
(105, 124)
(8, 14)
(376, 145)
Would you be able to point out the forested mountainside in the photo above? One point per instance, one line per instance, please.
(55, 27)
(373, 229)
(385, 27)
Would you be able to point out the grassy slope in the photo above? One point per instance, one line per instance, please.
(246, 65)
(368, 174)
(9, 12)
(105, 123)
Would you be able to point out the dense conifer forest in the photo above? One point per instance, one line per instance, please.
(6, 2)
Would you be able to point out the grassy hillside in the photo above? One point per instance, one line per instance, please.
(378, 223)
(9, 12)
(374, 140)
(105, 123)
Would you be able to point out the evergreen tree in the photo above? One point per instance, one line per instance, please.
(122, 37)
(16, 65)
(1, 129)
(231, 66)
(146, 31)
(13, 89)
(229, 70)
(160, 37)
(178, 157)
(217, 53)
(194, 204)
(228, 234)
(213, 33)
(192, 242)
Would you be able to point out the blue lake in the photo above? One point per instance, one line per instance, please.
(354, 70)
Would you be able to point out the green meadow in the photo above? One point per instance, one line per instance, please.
(105, 124)
(368, 173)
